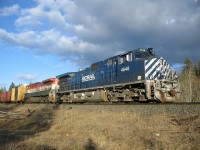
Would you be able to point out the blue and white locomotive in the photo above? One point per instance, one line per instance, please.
(137, 75)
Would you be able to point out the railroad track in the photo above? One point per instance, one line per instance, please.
(170, 109)
(116, 103)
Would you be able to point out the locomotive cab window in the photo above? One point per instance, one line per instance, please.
(110, 62)
(125, 58)
(121, 59)
(129, 57)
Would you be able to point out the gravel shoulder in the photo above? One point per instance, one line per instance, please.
(87, 126)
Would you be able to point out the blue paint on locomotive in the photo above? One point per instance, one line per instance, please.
(127, 67)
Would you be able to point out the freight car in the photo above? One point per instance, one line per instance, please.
(5, 97)
(44, 91)
(18, 93)
(137, 75)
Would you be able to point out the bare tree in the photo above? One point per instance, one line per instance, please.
(190, 82)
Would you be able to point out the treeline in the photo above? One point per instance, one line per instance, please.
(3, 89)
(190, 81)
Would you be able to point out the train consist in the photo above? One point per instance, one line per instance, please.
(135, 76)
(44, 91)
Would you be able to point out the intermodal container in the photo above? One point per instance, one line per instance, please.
(13, 95)
(16, 93)
(21, 93)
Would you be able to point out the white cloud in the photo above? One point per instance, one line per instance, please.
(7, 11)
(26, 77)
(57, 20)
(170, 21)
(27, 20)
(51, 41)
(8, 37)
(39, 16)
(30, 17)
(93, 30)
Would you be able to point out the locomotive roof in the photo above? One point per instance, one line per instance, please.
(65, 74)
(94, 65)
(49, 80)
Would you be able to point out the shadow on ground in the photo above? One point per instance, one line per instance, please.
(8, 107)
(14, 131)
(30, 147)
(90, 145)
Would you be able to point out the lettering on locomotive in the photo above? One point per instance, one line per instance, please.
(125, 69)
(88, 78)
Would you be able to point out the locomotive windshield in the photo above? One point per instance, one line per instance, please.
(144, 53)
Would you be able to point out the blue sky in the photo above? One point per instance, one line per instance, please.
(40, 39)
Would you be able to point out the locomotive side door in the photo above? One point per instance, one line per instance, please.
(112, 70)
(125, 67)
(115, 70)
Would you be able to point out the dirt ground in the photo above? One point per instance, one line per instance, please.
(59, 127)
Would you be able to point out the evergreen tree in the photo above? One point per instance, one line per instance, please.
(4, 89)
(12, 85)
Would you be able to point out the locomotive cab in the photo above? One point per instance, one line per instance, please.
(142, 54)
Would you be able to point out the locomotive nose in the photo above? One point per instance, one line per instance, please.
(156, 68)
(164, 69)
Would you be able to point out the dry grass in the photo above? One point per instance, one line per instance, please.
(80, 129)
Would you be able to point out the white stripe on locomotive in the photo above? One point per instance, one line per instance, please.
(167, 72)
(147, 65)
(150, 71)
(156, 68)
